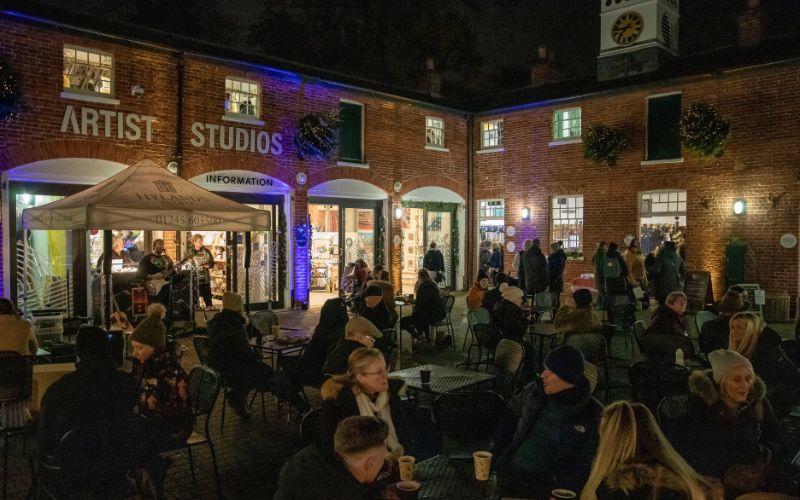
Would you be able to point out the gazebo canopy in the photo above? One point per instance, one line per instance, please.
(146, 196)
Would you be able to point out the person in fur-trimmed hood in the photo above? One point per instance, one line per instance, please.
(729, 430)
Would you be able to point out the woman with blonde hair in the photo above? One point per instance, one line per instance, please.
(635, 460)
(753, 339)
(366, 390)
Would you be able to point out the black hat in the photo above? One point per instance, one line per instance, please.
(481, 275)
(582, 297)
(372, 291)
(92, 343)
(566, 362)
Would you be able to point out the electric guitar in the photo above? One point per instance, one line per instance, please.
(154, 285)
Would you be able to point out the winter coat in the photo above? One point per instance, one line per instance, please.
(433, 260)
(556, 262)
(598, 257)
(314, 474)
(96, 391)
(668, 271)
(337, 359)
(712, 438)
(496, 260)
(229, 346)
(475, 297)
(636, 271)
(666, 333)
(164, 394)
(17, 335)
(508, 319)
(572, 320)
(491, 298)
(646, 481)
(380, 316)
(203, 260)
(329, 331)
(618, 285)
(339, 402)
(483, 259)
(715, 334)
(535, 264)
(520, 269)
(569, 464)
(428, 307)
(777, 371)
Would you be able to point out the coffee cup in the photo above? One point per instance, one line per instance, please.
(425, 376)
(406, 465)
(408, 490)
(561, 493)
(276, 330)
(483, 465)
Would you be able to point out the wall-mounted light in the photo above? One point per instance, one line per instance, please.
(398, 213)
(526, 213)
(740, 206)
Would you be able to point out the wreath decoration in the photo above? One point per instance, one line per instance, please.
(316, 135)
(11, 103)
(602, 143)
(704, 131)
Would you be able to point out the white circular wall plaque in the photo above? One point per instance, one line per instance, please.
(788, 240)
(511, 231)
(398, 186)
(301, 178)
(172, 167)
(510, 246)
(397, 239)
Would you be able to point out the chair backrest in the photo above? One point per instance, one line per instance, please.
(264, 321)
(449, 302)
(387, 343)
(592, 373)
(311, 426)
(201, 347)
(204, 384)
(479, 316)
(508, 355)
(623, 315)
(485, 336)
(543, 299)
(639, 331)
(651, 382)
(670, 409)
(16, 376)
(468, 414)
(702, 317)
(592, 346)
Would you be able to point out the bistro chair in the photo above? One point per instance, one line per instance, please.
(594, 349)
(623, 316)
(204, 385)
(653, 381)
(592, 374)
(486, 338)
(543, 304)
(387, 344)
(702, 317)
(479, 316)
(466, 421)
(16, 383)
(507, 363)
(670, 410)
(449, 302)
(639, 332)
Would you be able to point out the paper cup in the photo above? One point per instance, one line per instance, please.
(561, 493)
(408, 490)
(275, 331)
(483, 465)
(406, 464)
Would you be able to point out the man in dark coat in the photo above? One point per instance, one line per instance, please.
(434, 261)
(667, 271)
(535, 265)
(96, 391)
(230, 353)
(556, 262)
(358, 333)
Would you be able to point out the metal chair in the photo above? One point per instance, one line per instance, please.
(479, 316)
(703, 317)
(466, 421)
(16, 382)
(652, 381)
(204, 385)
(592, 374)
(449, 302)
(507, 363)
(623, 316)
(543, 304)
(639, 331)
(486, 338)
(594, 349)
(670, 409)
(310, 427)
(387, 344)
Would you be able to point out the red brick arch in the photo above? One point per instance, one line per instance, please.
(435, 180)
(231, 161)
(69, 148)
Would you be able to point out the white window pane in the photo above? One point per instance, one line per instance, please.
(69, 53)
(682, 206)
(681, 195)
(579, 213)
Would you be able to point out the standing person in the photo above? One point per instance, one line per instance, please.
(637, 276)
(668, 271)
(598, 257)
(495, 261)
(156, 270)
(16, 334)
(478, 290)
(517, 264)
(204, 261)
(433, 261)
(428, 308)
(614, 275)
(715, 334)
(635, 461)
(535, 265)
(484, 256)
(556, 262)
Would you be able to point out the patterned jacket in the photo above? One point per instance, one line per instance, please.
(164, 394)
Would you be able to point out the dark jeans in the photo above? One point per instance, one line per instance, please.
(205, 292)
(416, 330)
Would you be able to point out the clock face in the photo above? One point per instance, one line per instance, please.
(627, 28)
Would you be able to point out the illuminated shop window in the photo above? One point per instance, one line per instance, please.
(241, 97)
(567, 222)
(88, 71)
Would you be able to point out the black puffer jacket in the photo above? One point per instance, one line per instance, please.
(714, 334)
(777, 371)
(535, 264)
(507, 317)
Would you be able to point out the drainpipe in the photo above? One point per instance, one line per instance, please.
(469, 232)
(178, 157)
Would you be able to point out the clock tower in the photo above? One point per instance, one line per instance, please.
(636, 36)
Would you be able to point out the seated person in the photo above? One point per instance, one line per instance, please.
(667, 331)
(508, 315)
(428, 307)
(230, 353)
(359, 447)
(478, 290)
(378, 274)
(16, 333)
(366, 390)
(714, 334)
(578, 317)
(358, 333)
(94, 392)
(549, 433)
(493, 296)
(388, 297)
(375, 309)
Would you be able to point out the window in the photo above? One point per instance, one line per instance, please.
(351, 139)
(491, 221)
(662, 217)
(434, 132)
(567, 124)
(666, 30)
(88, 71)
(567, 222)
(241, 97)
(492, 134)
(663, 116)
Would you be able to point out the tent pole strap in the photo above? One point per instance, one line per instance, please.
(107, 295)
(247, 247)
(25, 273)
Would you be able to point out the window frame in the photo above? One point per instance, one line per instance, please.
(240, 115)
(579, 221)
(571, 138)
(69, 91)
(360, 162)
(651, 161)
(500, 135)
(441, 131)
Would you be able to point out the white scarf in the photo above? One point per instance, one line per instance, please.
(380, 408)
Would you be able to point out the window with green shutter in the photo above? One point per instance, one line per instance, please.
(663, 116)
(567, 124)
(350, 141)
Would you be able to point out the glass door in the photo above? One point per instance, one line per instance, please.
(325, 248)
(438, 229)
(263, 262)
(413, 250)
(359, 235)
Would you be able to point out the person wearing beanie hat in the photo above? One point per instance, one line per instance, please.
(549, 434)
(478, 290)
(714, 333)
(728, 430)
(508, 316)
(359, 332)
(95, 391)
(230, 353)
(578, 316)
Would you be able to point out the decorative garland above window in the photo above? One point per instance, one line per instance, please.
(316, 135)
(602, 143)
(380, 242)
(11, 103)
(704, 131)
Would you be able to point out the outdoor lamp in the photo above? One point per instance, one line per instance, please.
(398, 213)
(526, 213)
(740, 207)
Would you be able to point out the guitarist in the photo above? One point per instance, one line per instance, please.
(204, 260)
(156, 270)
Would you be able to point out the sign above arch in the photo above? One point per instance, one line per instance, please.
(348, 188)
(239, 181)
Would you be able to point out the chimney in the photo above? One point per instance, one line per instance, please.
(751, 24)
(544, 69)
(434, 79)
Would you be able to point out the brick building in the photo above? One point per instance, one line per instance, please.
(411, 169)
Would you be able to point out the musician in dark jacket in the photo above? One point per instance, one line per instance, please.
(204, 261)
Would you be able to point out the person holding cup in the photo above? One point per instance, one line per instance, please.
(365, 389)
(358, 332)
(635, 460)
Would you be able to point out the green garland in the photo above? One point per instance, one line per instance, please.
(380, 242)
(11, 103)
(316, 135)
(282, 252)
(440, 206)
(704, 131)
(602, 143)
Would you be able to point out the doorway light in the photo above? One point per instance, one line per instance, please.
(398, 213)
(740, 206)
(526, 213)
